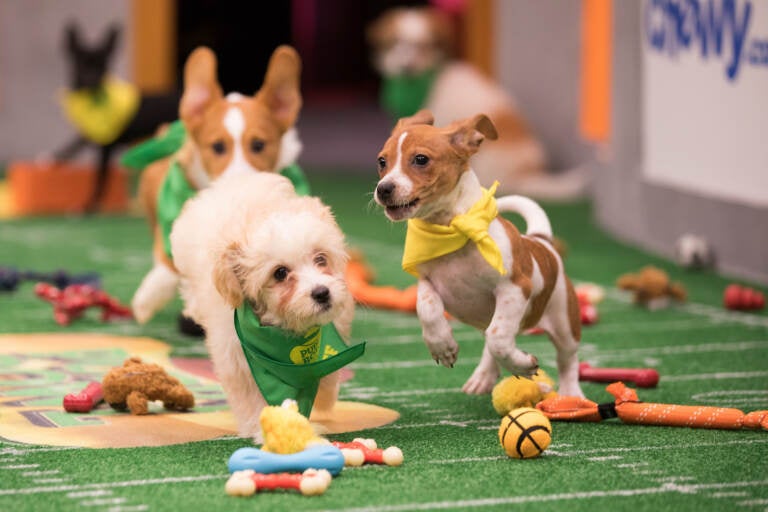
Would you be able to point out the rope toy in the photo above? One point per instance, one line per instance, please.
(629, 409)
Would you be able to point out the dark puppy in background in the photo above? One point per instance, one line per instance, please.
(134, 117)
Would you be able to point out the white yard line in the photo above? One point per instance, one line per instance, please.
(102, 502)
(567, 496)
(111, 485)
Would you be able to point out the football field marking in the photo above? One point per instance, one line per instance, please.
(110, 485)
(566, 496)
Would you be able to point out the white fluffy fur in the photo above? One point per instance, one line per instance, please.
(227, 243)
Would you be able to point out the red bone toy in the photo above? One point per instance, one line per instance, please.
(742, 298)
(641, 377)
(71, 302)
(85, 400)
(365, 451)
(311, 482)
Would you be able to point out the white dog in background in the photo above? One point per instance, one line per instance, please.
(250, 237)
(415, 41)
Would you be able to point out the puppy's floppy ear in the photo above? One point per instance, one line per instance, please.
(281, 89)
(443, 31)
(467, 135)
(226, 275)
(423, 116)
(201, 86)
(381, 31)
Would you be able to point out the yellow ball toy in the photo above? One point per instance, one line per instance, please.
(525, 433)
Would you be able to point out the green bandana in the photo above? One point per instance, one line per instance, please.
(286, 365)
(403, 96)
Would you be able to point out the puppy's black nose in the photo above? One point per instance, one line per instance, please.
(384, 190)
(321, 294)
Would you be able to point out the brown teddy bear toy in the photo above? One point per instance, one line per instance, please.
(135, 383)
(652, 287)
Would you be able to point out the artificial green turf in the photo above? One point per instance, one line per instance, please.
(705, 355)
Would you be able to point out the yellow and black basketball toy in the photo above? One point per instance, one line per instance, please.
(525, 433)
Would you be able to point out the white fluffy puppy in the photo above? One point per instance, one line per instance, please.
(251, 238)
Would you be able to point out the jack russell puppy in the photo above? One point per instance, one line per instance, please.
(470, 261)
(225, 135)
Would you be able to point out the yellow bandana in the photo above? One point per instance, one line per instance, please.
(425, 241)
(102, 116)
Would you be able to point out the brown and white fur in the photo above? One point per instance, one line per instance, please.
(413, 40)
(250, 237)
(226, 135)
(425, 173)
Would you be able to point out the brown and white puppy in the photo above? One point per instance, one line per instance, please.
(425, 173)
(251, 238)
(410, 41)
(226, 135)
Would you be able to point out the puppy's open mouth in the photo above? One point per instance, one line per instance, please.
(402, 210)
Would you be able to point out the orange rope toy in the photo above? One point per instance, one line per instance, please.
(629, 409)
(359, 276)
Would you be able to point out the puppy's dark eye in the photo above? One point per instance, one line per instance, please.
(321, 260)
(219, 147)
(382, 163)
(257, 145)
(420, 160)
(280, 274)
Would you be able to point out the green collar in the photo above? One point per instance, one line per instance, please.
(286, 365)
(403, 96)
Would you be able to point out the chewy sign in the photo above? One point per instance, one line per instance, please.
(705, 96)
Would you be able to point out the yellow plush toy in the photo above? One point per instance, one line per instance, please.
(515, 392)
(286, 430)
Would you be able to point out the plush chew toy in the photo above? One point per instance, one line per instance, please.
(365, 451)
(311, 482)
(135, 383)
(359, 277)
(286, 430)
(85, 400)
(71, 302)
(652, 287)
(515, 392)
(629, 409)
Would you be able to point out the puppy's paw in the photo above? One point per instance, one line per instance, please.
(141, 312)
(444, 352)
(480, 383)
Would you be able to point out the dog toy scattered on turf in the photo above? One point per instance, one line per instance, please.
(85, 400)
(71, 302)
(359, 277)
(694, 252)
(743, 298)
(10, 278)
(366, 451)
(136, 383)
(514, 392)
(524, 433)
(318, 457)
(640, 377)
(652, 287)
(311, 482)
(286, 430)
(629, 409)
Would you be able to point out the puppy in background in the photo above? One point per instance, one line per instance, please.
(413, 52)
(470, 261)
(249, 241)
(225, 135)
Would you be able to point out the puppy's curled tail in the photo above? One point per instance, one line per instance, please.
(536, 220)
